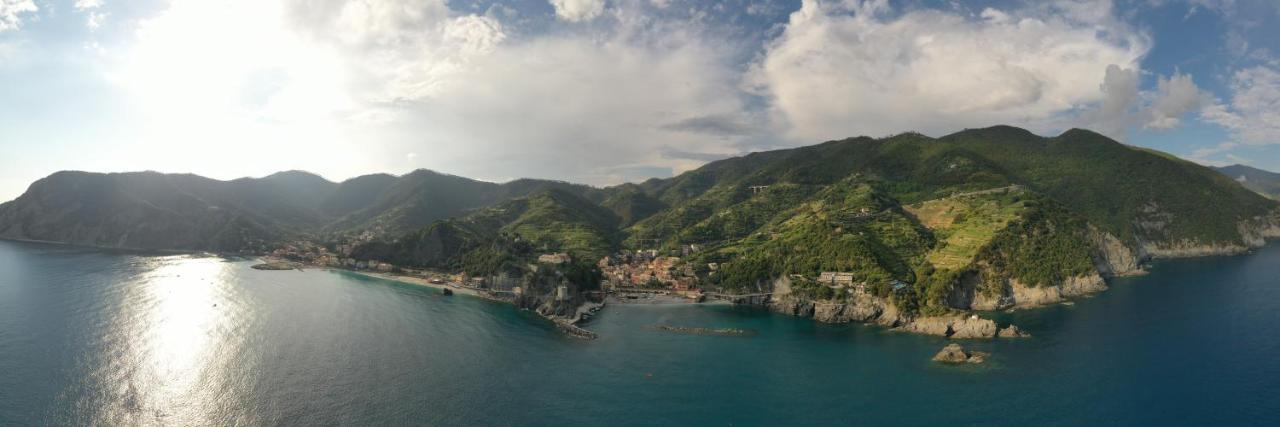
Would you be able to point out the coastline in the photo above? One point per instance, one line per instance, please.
(417, 281)
(570, 326)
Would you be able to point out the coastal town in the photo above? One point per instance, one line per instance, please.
(629, 276)
(643, 276)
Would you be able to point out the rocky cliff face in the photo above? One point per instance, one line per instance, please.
(1254, 233)
(870, 309)
(1112, 257)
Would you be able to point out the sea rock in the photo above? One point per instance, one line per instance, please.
(955, 353)
(940, 326)
(958, 327)
(973, 327)
(1012, 331)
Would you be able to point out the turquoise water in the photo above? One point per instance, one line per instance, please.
(92, 337)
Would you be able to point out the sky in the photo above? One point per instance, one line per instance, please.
(609, 91)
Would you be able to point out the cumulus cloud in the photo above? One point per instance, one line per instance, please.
(1253, 114)
(488, 98)
(579, 10)
(1125, 106)
(11, 12)
(1176, 96)
(852, 68)
(599, 105)
(1121, 97)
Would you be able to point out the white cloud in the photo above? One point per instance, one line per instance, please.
(578, 10)
(1206, 155)
(398, 50)
(842, 70)
(11, 12)
(600, 106)
(1125, 106)
(1121, 96)
(364, 82)
(1253, 113)
(1176, 96)
(95, 20)
(88, 4)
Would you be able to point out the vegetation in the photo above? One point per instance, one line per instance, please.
(885, 210)
(506, 238)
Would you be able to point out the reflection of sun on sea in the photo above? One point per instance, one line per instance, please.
(180, 321)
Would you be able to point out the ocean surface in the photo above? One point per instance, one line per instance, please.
(108, 338)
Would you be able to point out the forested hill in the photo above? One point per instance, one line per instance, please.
(1263, 182)
(1148, 202)
(1136, 194)
(149, 210)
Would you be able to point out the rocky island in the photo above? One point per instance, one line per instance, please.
(956, 354)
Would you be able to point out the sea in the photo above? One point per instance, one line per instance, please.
(94, 337)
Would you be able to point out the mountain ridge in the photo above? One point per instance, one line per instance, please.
(1261, 181)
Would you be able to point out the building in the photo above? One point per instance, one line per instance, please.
(835, 278)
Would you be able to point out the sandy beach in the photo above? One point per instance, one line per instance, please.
(420, 282)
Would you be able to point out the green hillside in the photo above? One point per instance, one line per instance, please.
(506, 237)
(909, 217)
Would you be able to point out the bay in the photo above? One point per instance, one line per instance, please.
(110, 338)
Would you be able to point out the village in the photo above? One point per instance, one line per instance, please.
(644, 276)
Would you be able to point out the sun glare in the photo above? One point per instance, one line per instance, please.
(178, 354)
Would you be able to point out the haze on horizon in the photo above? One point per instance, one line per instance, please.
(603, 92)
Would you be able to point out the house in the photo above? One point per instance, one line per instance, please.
(835, 278)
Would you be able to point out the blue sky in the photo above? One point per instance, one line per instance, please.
(607, 91)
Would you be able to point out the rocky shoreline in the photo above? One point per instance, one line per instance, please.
(1112, 258)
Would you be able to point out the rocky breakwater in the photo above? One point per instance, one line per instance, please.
(723, 332)
(277, 265)
(956, 354)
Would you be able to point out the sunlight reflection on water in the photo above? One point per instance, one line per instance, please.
(181, 310)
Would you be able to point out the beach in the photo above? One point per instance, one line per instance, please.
(420, 282)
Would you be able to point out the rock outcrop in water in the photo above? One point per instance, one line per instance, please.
(1012, 331)
(956, 354)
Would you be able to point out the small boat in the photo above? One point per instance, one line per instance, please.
(447, 291)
